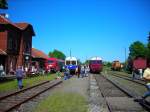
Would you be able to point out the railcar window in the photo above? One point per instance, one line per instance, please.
(96, 62)
(50, 61)
(73, 62)
(99, 62)
(67, 62)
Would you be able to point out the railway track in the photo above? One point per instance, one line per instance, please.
(118, 98)
(13, 100)
(129, 79)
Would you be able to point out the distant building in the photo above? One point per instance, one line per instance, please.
(38, 58)
(15, 44)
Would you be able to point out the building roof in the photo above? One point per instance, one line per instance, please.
(71, 58)
(24, 26)
(3, 20)
(2, 52)
(38, 54)
(96, 58)
(20, 26)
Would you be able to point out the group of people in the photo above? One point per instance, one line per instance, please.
(2, 72)
(146, 77)
(137, 72)
(82, 71)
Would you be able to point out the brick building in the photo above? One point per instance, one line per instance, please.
(15, 44)
(39, 58)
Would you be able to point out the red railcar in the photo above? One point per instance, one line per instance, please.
(95, 65)
(139, 63)
(54, 65)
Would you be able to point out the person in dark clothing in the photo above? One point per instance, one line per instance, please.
(66, 74)
(19, 76)
(79, 71)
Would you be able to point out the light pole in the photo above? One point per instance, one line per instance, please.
(125, 53)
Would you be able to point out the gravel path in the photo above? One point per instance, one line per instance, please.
(73, 85)
(96, 101)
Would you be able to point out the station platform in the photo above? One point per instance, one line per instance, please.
(7, 78)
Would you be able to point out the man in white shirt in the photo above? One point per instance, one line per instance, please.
(146, 76)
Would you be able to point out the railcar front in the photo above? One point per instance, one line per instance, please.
(54, 65)
(71, 64)
(95, 65)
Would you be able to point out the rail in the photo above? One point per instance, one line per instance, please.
(13, 100)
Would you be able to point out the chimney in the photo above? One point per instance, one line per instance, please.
(4, 15)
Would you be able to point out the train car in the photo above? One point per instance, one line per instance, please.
(95, 64)
(139, 63)
(54, 65)
(134, 65)
(71, 63)
(116, 65)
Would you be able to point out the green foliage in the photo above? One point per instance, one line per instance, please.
(107, 64)
(12, 85)
(79, 62)
(63, 102)
(137, 49)
(57, 54)
(3, 4)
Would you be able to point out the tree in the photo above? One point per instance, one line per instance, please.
(148, 47)
(137, 49)
(3, 4)
(57, 54)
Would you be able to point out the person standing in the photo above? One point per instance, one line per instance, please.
(141, 73)
(19, 76)
(146, 76)
(66, 74)
(82, 71)
(1, 70)
(79, 71)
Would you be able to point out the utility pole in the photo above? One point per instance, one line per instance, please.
(125, 53)
(70, 52)
(149, 38)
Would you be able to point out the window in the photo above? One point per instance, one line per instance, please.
(10, 43)
(67, 62)
(96, 62)
(15, 44)
(73, 62)
(50, 61)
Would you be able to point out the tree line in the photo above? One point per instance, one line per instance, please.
(3, 4)
(138, 48)
(57, 54)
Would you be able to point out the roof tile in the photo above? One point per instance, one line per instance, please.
(38, 54)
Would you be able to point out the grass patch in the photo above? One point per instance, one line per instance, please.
(63, 102)
(12, 85)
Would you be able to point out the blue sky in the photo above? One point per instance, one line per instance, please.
(88, 27)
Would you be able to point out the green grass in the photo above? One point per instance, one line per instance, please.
(12, 85)
(63, 102)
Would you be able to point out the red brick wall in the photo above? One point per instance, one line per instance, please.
(3, 40)
(20, 57)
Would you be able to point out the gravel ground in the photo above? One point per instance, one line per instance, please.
(75, 85)
(96, 101)
(136, 88)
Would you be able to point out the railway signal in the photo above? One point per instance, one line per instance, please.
(149, 38)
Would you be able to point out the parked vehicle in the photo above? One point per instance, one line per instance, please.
(72, 64)
(116, 65)
(54, 65)
(137, 65)
(95, 64)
